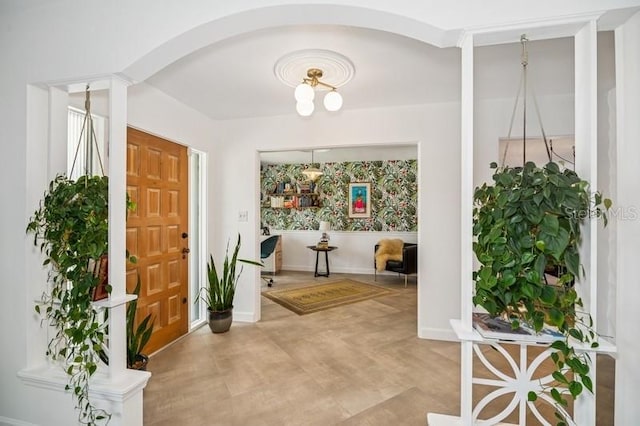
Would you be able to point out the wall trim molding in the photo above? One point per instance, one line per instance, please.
(119, 389)
(14, 422)
(244, 316)
(429, 333)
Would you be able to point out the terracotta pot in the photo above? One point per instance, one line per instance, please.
(220, 321)
(140, 362)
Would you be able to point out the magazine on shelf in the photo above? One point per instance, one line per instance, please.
(496, 328)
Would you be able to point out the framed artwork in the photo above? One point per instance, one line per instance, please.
(360, 199)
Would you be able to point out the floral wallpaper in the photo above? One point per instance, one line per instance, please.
(394, 192)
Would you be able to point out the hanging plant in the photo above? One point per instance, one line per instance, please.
(526, 224)
(71, 228)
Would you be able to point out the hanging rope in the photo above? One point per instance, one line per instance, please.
(523, 84)
(560, 156)
(91, 140)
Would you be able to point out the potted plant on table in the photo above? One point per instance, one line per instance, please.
(526, 224)
(220, 291)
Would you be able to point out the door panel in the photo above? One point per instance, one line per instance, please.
(157, 174)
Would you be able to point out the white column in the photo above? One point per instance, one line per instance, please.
(627, 207)
(466, 224)
(58, 130)
(121, 393)
(117, 223)
(586, 140)
(586, 145)
(39, 172)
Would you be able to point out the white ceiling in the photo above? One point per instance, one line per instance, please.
(235, 78)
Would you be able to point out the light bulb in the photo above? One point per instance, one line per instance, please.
(304, 92)
(333, 101)
(305, 108)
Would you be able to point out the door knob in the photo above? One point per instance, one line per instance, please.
(185, 251)
(184, 235)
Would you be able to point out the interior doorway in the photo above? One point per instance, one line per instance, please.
(157, 233)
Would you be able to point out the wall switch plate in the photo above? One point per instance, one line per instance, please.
(243, 216)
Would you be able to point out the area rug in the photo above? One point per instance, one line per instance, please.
(313, 298)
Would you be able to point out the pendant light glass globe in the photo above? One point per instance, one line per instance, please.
(305, 108)
(333, 101)
(304, 92)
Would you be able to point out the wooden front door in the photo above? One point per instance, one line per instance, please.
(157, 173)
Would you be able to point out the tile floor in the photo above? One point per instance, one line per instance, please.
(359, 364)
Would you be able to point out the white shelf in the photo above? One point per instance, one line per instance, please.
(113, 302)
(471, 334)
(104, 303)
(53, 377)
(463, 332)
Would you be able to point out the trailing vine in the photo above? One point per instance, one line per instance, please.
(71, 228)
(527, 225)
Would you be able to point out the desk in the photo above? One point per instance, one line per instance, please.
(326, 251)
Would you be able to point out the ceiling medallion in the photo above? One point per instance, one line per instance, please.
(314, 69)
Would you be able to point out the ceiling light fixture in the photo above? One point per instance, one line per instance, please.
(312, 173)
(305, 93)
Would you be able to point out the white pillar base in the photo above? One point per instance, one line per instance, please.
(121, 396)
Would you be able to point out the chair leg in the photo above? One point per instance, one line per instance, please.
(405, 280)
(375, 274)
(269, 281)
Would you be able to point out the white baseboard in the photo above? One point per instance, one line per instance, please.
(297, 268)
(445, 334)
(446, 420)
(244, 316)
(6, 421)
(337, 270)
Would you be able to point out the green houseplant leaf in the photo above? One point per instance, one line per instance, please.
(220, 291)
(70, 227)
(137, 337)
(527, 226)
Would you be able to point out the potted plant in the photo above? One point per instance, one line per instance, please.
(137, 337)
(526, 224)
(70, 227)
(221, 289)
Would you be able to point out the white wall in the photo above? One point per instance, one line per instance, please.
(353, 256)
(440, 297)
(155, 112)
(37, 46)
(436, 131)
(607, 184)
(435, 128)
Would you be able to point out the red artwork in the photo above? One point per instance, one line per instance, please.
(359, 199)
